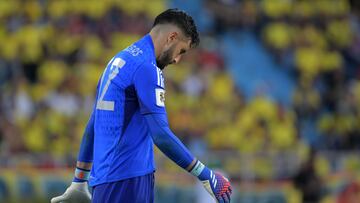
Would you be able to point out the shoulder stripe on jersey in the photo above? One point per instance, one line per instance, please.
(158, 76)
(162, 80)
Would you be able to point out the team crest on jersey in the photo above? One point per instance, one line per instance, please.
(160, 97)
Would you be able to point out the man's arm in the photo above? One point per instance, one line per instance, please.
(86, 151)
(217, 185)
(149, 85)
(85, 156)
(84, 165)
(167, 142)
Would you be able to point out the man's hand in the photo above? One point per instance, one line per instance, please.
(216, 184)
(76, 193)
(219, 187)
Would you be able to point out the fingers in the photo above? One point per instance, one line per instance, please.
(225, 198)
(228, 194)
(58, 199)
(220, 200)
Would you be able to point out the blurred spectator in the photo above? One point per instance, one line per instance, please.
(308, 181)
(350, 194)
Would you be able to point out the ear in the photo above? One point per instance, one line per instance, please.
(172, 37)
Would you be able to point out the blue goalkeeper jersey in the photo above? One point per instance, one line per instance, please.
(130, 87)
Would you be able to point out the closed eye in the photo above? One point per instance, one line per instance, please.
(182, 51)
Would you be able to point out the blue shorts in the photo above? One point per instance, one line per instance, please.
(133, 190)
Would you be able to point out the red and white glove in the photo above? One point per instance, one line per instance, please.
(216, 184)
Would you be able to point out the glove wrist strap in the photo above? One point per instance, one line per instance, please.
(81, 175)
(197, 169)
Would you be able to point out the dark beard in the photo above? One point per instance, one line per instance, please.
(164, 59)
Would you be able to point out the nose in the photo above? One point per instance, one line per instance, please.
(177, 59)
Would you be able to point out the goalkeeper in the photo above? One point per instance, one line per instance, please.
(129, 116)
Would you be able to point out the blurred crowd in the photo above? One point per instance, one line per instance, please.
(53, 53)
(318, 45)
(322, 39)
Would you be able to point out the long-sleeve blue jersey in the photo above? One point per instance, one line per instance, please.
(129, 113)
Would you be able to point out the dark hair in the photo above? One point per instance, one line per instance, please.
(182, 20)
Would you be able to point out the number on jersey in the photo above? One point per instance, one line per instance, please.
(109, 74)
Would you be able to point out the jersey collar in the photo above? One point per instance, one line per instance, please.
(150, 44)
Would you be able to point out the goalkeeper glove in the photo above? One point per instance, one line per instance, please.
(78, 191)
(216, 184)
